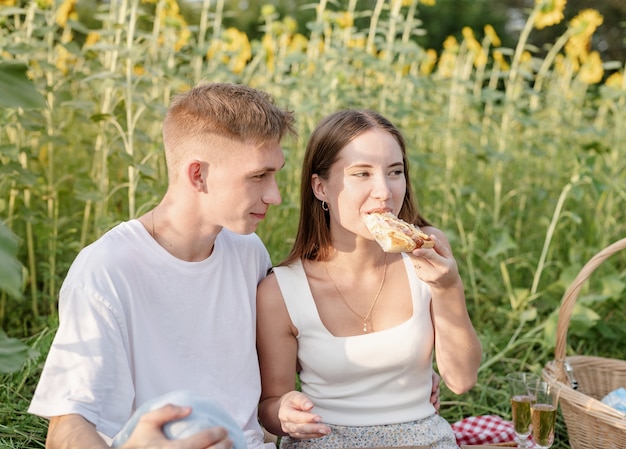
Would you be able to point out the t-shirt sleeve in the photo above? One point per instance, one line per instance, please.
(263, 260)
(87, 369)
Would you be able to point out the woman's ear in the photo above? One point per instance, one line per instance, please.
(318, 187)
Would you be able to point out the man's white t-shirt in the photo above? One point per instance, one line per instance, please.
(136, 323)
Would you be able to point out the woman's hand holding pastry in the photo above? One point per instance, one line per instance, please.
(436, 265)
(395, 235)
(296, 418)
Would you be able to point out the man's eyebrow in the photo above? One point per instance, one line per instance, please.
(281, 166)
(267, 169)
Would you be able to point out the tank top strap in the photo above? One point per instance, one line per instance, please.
(298, 298)
(420, 291)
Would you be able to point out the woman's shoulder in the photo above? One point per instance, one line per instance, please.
(291, 269)
(280, 276)
(269, 294)
(268, 283)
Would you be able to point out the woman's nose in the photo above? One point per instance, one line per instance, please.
(382, 189)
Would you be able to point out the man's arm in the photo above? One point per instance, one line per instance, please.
(75, 432)
(69, 431)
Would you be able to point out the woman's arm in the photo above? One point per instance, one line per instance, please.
(282, 410)
(457, 348)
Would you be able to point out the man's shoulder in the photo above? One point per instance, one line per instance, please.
(245, 250)
(121, 231)
(112, 248)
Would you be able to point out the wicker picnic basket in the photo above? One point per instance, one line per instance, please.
(584, 380)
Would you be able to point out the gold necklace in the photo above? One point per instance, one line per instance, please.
(367, 318)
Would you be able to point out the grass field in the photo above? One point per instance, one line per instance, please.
(517, 154)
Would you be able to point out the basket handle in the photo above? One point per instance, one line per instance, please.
(570, 296)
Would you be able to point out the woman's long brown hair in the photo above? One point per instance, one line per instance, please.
(330, 136)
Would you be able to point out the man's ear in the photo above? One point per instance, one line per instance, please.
(196, 174)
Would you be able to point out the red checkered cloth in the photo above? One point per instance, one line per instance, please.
(484, 429)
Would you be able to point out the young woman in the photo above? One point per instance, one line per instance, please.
(359, 325)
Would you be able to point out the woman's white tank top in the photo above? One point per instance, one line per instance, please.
(371, 379)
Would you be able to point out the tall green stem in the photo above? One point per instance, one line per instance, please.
(313, 47)
(51, 194)
(551, 228)
(511, 92)
(545, 66)
(371, 35)
(394, 19)
(100, 171)
(202, 32)
(128, 102)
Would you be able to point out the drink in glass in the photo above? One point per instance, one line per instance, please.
(520, 409)
(520, 404)
(543, 407)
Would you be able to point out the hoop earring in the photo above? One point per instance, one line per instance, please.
(324, 206)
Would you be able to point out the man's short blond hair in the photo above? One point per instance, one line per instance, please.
(217, 111)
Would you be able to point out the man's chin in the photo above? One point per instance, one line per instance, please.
(242, 230)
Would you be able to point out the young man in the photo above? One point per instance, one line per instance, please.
(167, 301)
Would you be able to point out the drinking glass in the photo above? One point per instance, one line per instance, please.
(543, 406)
(520, 404)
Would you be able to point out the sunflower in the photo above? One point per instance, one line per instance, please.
(586, 22)
(616, 80)
(474, 47)
(66, 11)
(548, 12)
(581, 29)
(429, 62)
(92, 38)
(491, 34)
(345, 20)
(238, 49)
(357, 42)
(500, 61)
(269, 45)
(447, 60)
(591, 71)
(268, 11)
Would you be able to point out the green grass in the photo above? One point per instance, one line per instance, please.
(528, 183)
(18, 428)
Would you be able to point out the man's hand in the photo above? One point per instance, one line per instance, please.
(75, 432)
(149, 434)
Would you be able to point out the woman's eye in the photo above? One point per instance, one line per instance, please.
(361, 174)
(397, 172)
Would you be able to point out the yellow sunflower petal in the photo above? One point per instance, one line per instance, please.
(549, 12)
